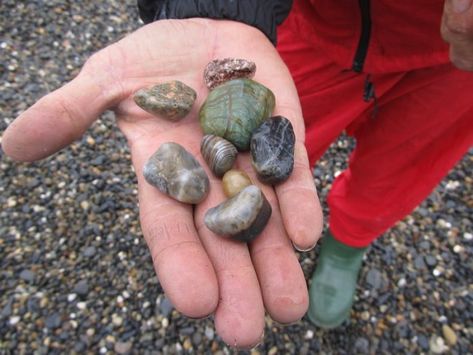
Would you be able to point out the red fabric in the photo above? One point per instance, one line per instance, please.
(423, 126)
(404, 34)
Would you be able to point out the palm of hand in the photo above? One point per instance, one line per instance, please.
(200, 272)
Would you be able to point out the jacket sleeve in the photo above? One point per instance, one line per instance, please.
(262, 14)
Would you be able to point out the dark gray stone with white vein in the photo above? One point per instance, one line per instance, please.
(272, 150)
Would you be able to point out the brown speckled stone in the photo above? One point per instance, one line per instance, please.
(172, 100)
(219, 71)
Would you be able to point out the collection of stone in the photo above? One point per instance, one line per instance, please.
(236, 116)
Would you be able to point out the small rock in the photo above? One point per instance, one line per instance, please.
(437, 345)
(362, 346)
(14, 320)
(187, 345)
(7, 309)
(186, 331)
(81, 288)
(219, 71)
(175, 172)
(27, 275)
(242, 217)
(165, 307)
(309, 334)
(419, 262)
(430, 260)
(273, 350)
(172, 100)
(123, 347)
(423, 341)
(234, 181)
(272, 150)
(53, 321)
(449, 335)
(197, 338)
(117, 320)
(89, 252)
(209, 333)
(374, 278)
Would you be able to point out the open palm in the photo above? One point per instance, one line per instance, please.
(200, 272)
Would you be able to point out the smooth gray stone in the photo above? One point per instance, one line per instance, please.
(242, 217)
(175, 172)
(272, 150)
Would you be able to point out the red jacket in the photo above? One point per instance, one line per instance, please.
(403, 35)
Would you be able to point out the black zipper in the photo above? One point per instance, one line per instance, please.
(362, 49)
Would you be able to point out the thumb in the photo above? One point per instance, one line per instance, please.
(60, 117)
(457, 30)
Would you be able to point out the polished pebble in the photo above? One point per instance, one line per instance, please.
(272, 150)
(234, 181)
(235, 109)
(242, 217)
(172, 100)
(219, 153)
(175, 172)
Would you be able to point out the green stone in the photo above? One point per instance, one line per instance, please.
(233, 110)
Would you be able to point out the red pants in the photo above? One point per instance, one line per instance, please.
(423, 126)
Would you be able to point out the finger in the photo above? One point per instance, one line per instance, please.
(300, 207)
(181, 263)
(239, 318)
(457, 30)
(280, 276)
(60, 117)
(298, 201)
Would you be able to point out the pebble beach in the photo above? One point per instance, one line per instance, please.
(76, 275)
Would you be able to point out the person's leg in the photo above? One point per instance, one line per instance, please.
(423, 127)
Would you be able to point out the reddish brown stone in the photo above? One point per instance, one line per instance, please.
(219, 71)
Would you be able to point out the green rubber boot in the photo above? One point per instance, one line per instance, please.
(334, 282)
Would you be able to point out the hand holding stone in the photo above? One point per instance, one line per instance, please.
(200, 272)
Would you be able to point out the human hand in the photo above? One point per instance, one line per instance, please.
(200, 272)
(457, 30)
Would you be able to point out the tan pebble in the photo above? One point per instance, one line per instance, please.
(273, 351)
(187, 344)
(90, 140)
(234, 181)
(449, 335)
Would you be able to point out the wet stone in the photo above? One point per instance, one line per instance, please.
(219, 71)
(235, 109)
(172, 100)
(242, 217)
(272, 150)
(175, 172)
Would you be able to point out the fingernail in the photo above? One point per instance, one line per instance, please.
(460, 6)
(302, 250)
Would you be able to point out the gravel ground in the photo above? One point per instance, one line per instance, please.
(75, 274)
